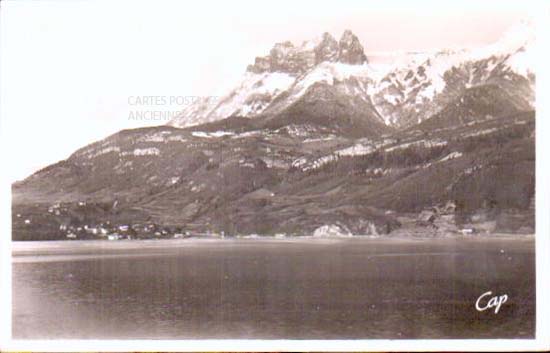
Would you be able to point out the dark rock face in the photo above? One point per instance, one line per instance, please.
(351, 50)
(329, 108)
(327, 49)
(286, 57)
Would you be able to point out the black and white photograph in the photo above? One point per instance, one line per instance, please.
(281, 176)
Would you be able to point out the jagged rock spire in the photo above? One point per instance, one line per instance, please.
(351, 50)
(327, 49)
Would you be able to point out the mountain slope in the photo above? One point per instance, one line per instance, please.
(248, 179)
(475, 104)
(342, 114)
(415, 90)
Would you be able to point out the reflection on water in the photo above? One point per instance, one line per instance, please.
(315, 289)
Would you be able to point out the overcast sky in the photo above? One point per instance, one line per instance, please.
(70, 70)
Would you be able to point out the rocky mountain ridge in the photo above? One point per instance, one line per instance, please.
(403, 95)
(287, 58)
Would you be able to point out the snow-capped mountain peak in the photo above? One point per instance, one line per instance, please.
(420, 84)
(287, 67)
(402, 94)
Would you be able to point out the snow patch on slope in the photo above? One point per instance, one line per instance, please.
(248, 99)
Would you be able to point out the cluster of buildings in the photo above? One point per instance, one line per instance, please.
(109, 231)
(442, 219)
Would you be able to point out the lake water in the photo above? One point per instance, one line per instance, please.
(272, 289)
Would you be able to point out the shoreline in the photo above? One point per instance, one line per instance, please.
(287, 237)
(21, 249)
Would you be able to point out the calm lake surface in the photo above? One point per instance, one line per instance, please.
(272, 289)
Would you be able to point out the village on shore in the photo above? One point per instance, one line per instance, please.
(436, 221)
